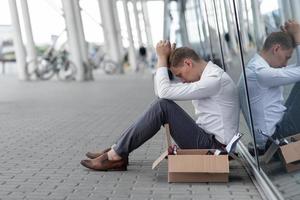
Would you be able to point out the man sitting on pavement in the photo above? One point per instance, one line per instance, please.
(266, 73)
(214, 96)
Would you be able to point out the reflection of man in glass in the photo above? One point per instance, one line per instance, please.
(266, 73)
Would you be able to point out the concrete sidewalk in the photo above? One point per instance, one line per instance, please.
(46, 128)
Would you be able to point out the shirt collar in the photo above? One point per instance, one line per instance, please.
(261, 60)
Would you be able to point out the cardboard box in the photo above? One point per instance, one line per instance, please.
(194, 165)
(291, 153)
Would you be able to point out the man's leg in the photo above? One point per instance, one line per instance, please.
(185, 132)
(289, 125)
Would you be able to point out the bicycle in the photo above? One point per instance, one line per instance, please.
(101, 61)
(52, 63)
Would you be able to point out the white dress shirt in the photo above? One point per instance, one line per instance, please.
(266, 93)
(214, 97)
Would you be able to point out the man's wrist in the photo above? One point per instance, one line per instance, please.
(162, 61)
(162, 64)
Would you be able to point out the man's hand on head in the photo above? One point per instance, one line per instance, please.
(293, 27)
(163, 51)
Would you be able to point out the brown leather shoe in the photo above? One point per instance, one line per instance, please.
(102, 163)
(95, 155)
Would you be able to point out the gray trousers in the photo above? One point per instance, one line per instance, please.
(184, 130)
(290, 122)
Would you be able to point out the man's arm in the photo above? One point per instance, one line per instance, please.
(271, 77)
(293, 28)
(163, 51)
(185, 91)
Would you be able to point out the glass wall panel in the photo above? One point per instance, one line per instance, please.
(272, 76)
(232, 37)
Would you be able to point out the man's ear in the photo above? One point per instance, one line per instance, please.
(188, 62)
(276, 48)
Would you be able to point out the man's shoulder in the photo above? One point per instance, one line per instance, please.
(256, 62)
(212, 68)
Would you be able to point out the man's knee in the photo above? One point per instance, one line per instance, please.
(164, 104)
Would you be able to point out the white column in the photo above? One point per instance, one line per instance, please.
(147, 23)
(74, 45)
(230, 27)
(199, 21)
(18, 42)
(166, 20)
(131, 53)
(182, 23)
(295, 4)
(82, 41)
(281, 11)
(118, 36)
(259, 29)
(286, 6)
(79, 26)
(111, 30)
(30, 45)
(243, 30)
(137, 21)
(203, 26)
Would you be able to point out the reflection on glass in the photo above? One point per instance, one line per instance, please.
(211, 24)
(274, 92)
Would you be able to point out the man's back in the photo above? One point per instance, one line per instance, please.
(218, 113)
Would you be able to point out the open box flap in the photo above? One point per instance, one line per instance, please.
(159, 159)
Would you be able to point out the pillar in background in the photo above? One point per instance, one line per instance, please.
(244, 30)
(285, 10)
(182, 23)
(30, 45)
(230, 24)
(118, 30)
(203, 27)
(147, 23)
(131, 53)
(137, 21)
(259, 28)
(82, 42)
(73, 38)
(111, 30)
(167, 22)
(18, 42)
(295, 4)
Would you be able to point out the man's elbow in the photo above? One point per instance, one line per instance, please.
(162, 94)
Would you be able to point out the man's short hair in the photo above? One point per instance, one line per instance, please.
(285, 40)
(181, 53)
